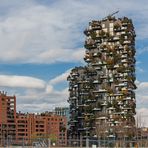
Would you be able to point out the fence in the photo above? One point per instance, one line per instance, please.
(124, 143)
(75, 143)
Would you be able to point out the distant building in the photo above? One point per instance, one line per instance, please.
(101, 94)
(62, 111)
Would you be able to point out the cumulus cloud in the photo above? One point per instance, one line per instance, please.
(142, 101)
(21, 81)
(142, 117)
(139, 69)
(39, 94)
(142, 50)
(142, 87)
(38, 33)
(60, 78)
(142, 94)
(41, 100)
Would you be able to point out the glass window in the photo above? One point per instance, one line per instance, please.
(111, 25)
(103, 25)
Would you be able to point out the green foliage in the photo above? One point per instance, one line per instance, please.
(53, 138)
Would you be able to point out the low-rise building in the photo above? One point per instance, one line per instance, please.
(31, 127)
(27, 128)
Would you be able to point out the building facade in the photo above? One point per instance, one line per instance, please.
(20, 128)
(101, 94)
(31, 127)
(7, 117)
(63, 111)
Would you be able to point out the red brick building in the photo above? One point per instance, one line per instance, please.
(30, 127)
(27, 128)
(7, 117)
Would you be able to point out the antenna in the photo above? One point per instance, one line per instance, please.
(113, 13)
(110, 15)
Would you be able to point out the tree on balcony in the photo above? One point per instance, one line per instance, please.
(120, 69)
(115, 104)
(102, 33)
(98, 105)
(110, 61)
(125, 20)
(88, 109)
(109, 104)
(93, 34)
(117, 26)
(124, 91)
(122, 39)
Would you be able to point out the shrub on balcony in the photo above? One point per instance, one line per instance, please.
(98, 105)
(121, 68)
(93, 35)
(125, 20)
(109, 104)
(102, 33)
(117, 26)
(115, 103)
(109, 61)
(124, 91)
(121, 40)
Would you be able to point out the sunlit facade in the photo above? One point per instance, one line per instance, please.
(101, 94)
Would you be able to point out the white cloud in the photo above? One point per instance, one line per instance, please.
(21, 81)
(49, 88)
(139, 69)
(36, 33)
(142, 50)
(142, 87)
(35, 92)
(142, 101)
(142, 117)
(41, 100)
(60, 78)
(142, 94)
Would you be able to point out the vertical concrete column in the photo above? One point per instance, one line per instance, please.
(87, 143)
(49, 143)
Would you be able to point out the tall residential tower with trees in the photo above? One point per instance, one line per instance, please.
(101, 94)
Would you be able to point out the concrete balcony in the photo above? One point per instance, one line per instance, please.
(81, 117)
(82, 129)
(100, 91)
(73, 98)
(73, 121)
(97, 63)
(127, 42)
(97, 109)
(90, 101)
(102, 118)
(97, 27)
(116, 38)
(104, 103)
(96, 81)
(83, 105)
(124, 61)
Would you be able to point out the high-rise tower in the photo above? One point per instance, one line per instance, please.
(102, 98)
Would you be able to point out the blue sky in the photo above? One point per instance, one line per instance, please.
(41, 40)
